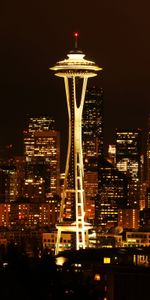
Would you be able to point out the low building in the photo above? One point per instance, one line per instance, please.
(137, 239)
(49, 240)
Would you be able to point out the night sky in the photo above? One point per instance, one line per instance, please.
(36, 34)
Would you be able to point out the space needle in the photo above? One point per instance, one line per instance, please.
(75, 70)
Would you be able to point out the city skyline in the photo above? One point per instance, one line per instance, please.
(32, 37)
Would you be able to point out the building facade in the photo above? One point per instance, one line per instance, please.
(92, 136)
(92, 127)
(128, 161)
(42, 156)
(112, 195)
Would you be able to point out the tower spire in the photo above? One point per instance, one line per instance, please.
(76, 35)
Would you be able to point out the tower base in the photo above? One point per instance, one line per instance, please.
(72, 228)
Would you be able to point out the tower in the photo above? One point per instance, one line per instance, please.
(75, 70)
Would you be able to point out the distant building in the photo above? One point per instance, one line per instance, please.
(91, 189)
(49, 240)
(112, 154)
(24, 215)
(92, 127)
(129, 218)
(19, 163)
(145, 218)
(112, 195)
(137, 239)
(92, 136)
(148, 155)
(105, 240)
(8, 183)
(42, 156)
(128, 161)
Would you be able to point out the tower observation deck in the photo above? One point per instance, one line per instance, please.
(75, 70)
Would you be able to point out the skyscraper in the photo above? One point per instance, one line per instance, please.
(128, 161)
(112, 195)
(148, 155)
(92, 127)
(42, 155)
(75, 70)
(92, 132)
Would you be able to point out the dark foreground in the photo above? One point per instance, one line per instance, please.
(27, 278)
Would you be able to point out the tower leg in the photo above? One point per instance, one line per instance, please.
(58, 241)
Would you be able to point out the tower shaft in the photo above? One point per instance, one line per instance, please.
(73, 182)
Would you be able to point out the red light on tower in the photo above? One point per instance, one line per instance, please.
(76, 34)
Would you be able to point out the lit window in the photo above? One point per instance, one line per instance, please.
(97, 277)
(106, 260)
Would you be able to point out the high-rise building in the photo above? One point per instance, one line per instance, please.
(12, 173)
(112, 195)
(92, 136)
(75, 70)
(128, 161)
(148, 155)
(8, 175)
(8, 183)
(42, 156)
(91, 192)
(92, 127)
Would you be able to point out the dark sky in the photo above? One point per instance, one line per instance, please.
(36, 34)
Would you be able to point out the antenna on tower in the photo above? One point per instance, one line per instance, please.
(76, 35)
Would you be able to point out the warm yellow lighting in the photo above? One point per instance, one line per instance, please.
(97, 277)
(60, 260)
(131, 240)
(74, 68)
(106, 260)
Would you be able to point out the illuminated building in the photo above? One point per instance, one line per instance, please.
(147, 200)
(8, 184)
(42, 155)
(19, 163)
(112, 154)
(11, 179)
(92, 135)
(91, 191)
(128, 218)
(75, 70)
(148, 154)
(145, 218)
(112, 194)
(92, 128)
(128, 161)
(49, 240)
(27, 215)
(137, 239)
(41, 123)
(106, 240)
